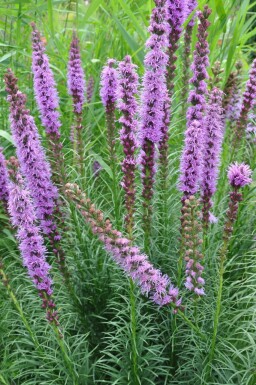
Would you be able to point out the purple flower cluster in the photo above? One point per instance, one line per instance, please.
(109, 80)
(150, 280)
(154, 84)
(128, 88)
(194, 281)
(48, 103)
(90, 89)
(31, 156)
(199, 69)
(211, 148)
(249, 101)
(191, 156)
(31, 245)
(239, 175)
(190, 6)
(190, 161)
(175, 19)
(76, 78)
(153, 105)
(45, 86)
(3, 179)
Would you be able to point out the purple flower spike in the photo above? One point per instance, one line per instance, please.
(191, 158)
(76, 78)
(189, 8)
(128, 88)
(31, 156)
(108, 83)
(199, 69)
(3, 179)
(89, 90)
(211, 149)
(152, 282)
(175, 19)
(249, 101)
(47, 102)
(76, 88)
(31, 245)
(239, 175)
(190, 161)
(154, 95)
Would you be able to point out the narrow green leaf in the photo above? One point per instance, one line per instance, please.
(6, 136)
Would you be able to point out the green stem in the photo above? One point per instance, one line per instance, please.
(65, 355)
(218, 308)
(19, 309)
(134, 334)
(192, 326)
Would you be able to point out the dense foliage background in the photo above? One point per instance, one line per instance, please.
(106, 342)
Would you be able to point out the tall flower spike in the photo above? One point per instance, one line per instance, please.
(189, 8)
(108, 93)
(211, 149)
(175, 18)
(33, 163)
(239, 175)
(31, 246)
(233, 109)
(152, 110)
(89, 90)
(199, 70)
(76, 88)
(48, 103)
(249, 101)
(136, 265)
(128, 88)
(3, 179)
(191, 157)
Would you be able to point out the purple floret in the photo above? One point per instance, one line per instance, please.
(239, 175)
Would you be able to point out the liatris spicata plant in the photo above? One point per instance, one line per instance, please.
(48, 104)
(190, 161)
(199, 70)
(152, 110)
(3, 180)
(191, 156)
(191, 247)
(13, 168)
(249, 101)
(216, 78)
(34, 165)
(233, 108)
(108, 93)
(211, 149)
(31, 246)
(175, 19)
(128, 88)
(76, 88)
(89, 89)
(190, 7)
(151, 281)
(239, 175)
